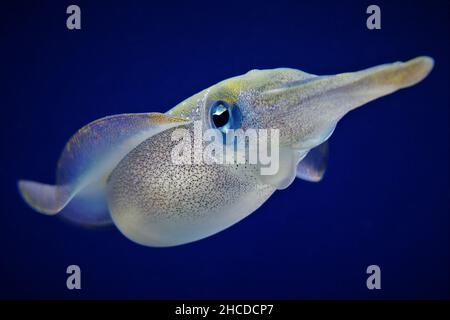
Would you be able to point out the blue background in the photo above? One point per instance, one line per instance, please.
(384, 199)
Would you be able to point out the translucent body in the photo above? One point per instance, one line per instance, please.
(120, 167)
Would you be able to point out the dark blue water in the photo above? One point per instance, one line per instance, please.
(384, 199)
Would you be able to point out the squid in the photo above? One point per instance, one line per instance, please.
(120, 170)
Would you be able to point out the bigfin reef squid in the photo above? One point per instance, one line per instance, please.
(118, 169)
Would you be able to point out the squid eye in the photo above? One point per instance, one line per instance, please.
(224, 116)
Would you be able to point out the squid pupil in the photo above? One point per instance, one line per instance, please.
(221, 118)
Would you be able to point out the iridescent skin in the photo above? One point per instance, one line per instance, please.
(119, 168)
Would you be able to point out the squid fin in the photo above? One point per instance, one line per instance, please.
(88, 159)
(312, 167)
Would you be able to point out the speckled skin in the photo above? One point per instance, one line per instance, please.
(154, 201)
(124, 162)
